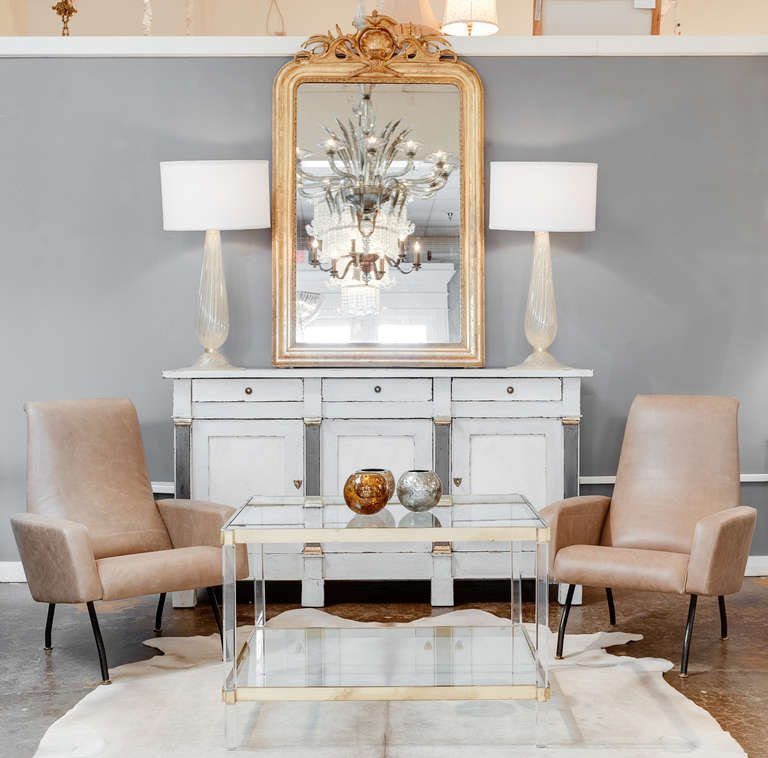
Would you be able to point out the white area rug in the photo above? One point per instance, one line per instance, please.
(170, 706)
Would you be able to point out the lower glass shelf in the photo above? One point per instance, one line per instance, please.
(388, 663)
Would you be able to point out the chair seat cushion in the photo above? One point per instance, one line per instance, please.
(628, 568)
(185, 568)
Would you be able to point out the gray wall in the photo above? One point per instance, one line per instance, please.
(666, 296)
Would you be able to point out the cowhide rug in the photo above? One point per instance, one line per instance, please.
(601, 705)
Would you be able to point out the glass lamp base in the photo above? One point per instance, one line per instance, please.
(541, 359)
(212, 360)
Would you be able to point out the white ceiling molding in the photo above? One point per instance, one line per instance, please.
(268, 46)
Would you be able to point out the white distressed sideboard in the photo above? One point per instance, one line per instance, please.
(296, 433)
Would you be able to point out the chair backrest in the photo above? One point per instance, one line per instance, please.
(85, 463)
(679, 462)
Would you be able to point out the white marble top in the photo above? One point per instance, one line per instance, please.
(344, 373)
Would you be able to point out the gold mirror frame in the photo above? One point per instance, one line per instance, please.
(377, 53)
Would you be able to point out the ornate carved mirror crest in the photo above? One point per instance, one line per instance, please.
(378, 202)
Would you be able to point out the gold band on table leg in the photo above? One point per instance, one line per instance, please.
(228, 696)
(542, 694)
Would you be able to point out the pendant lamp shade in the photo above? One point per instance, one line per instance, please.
(417, 13)
(470, 18)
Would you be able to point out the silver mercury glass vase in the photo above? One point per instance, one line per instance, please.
(419, 490)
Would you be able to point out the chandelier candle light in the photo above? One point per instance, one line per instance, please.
(210, 196)
(542, 198)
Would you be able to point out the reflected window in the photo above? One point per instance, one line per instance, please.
(402, 333)
(327, 333)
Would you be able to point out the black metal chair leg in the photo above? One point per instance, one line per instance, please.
(49, 625)
(723, 618)
(611, 607)
(215, 609)
(159, 614)
(564, 621)
(688, 635)
(99, 644)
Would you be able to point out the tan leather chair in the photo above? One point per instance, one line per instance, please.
(674, 523)
(93, 530)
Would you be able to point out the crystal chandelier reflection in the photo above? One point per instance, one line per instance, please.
(360, 225)
(360, 300)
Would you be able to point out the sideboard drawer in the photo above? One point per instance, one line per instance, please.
(382, 390)
(512, 389)
(258, 390)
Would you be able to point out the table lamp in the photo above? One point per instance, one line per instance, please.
(542, 198)
(212, 196)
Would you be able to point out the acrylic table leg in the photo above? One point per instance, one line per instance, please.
(257, 675)
(539, 728)
(230, 726)
(516, 613)
(542, 639)
(259, 586)
(542, 614)
(229, 623)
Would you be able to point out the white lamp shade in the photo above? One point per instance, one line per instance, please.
(543, 197)
(215, 195)
(476, 18)
(416, 12)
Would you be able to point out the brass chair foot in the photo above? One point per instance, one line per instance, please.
(683, 676)
(107, 681)
(724, 638)
(157, 631)
(47, 649)
(558, 657)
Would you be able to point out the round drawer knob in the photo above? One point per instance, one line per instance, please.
(510, 390)
(377, 388)
(249, 390)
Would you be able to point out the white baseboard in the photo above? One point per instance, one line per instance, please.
(757, 565)
(12, 571)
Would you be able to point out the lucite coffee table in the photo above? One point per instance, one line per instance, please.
(506, 662)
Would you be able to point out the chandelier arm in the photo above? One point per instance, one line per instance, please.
(346, 268)
(401, 172)
(337, 170)
(394, 144)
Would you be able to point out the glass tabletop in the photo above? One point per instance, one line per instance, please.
(270, 519)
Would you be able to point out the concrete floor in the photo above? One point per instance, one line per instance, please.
(729, 679)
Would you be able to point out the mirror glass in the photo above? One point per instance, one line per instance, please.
(378, 214)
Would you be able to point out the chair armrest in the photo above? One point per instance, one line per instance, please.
(58, 559)
(575, 521)
(191, 523)
(719, 551)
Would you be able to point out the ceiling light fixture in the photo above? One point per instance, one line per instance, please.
(470, 18)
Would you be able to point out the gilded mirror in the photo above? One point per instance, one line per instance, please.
(378, 203)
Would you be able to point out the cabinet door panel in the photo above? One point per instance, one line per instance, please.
(507, 456)
(348, 445)
(234, 460)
